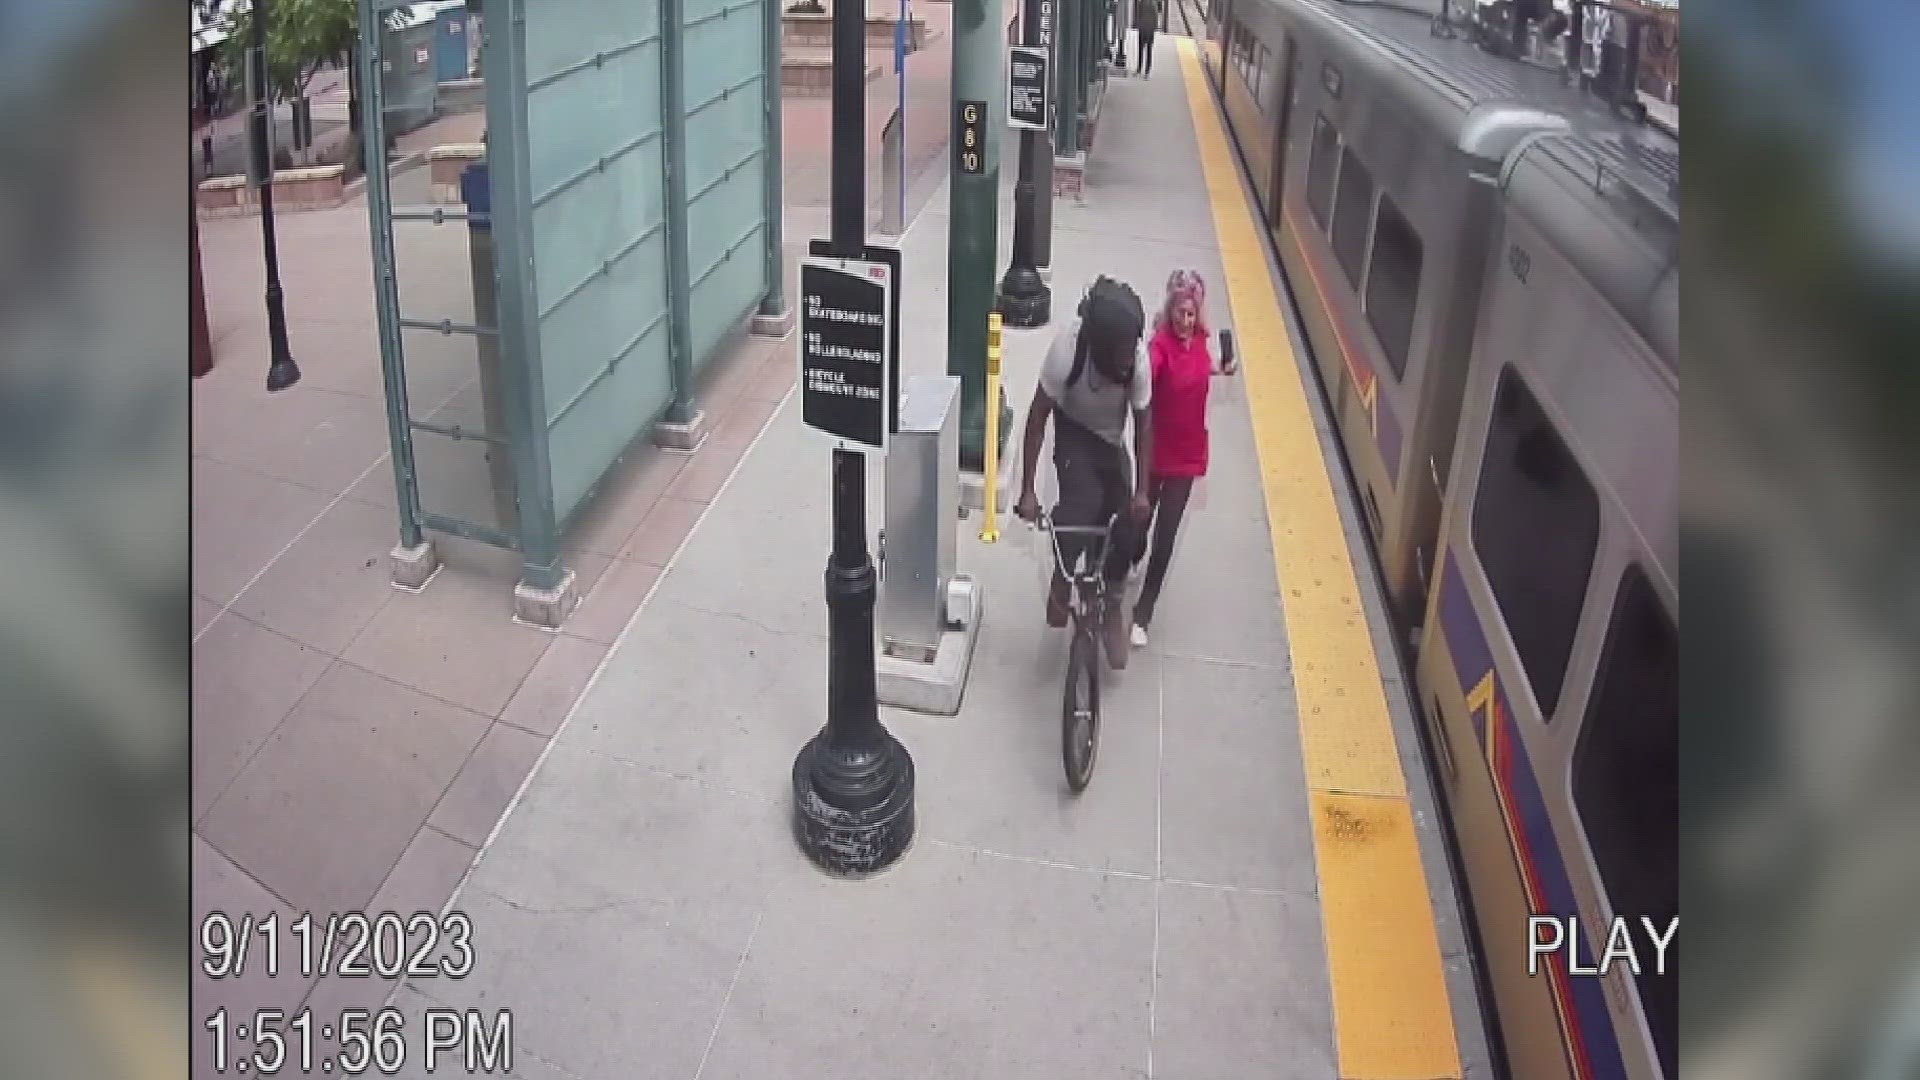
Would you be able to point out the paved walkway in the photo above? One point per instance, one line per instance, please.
(643, 911)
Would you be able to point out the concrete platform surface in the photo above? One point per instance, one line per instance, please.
(644, 910)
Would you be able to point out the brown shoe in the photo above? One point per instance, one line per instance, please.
(1057, 601)
(1113, 627)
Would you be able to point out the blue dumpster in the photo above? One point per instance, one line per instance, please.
(450, 43)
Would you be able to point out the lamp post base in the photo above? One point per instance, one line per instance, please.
(1024, 300)
(853, 810)
(282, 373)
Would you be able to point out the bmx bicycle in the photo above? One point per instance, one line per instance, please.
(1086, 600)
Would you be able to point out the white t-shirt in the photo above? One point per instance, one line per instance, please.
(1094, 402)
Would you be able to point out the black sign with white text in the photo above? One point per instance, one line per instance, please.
(845, 341)
(1046, 25)
(970, 147)
(1027, 87)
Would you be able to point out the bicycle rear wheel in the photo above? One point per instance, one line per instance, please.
(1080, 708)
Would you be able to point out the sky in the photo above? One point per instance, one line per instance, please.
(1880, 55)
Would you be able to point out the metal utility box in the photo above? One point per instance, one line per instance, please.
(407, 74)
(922, 513)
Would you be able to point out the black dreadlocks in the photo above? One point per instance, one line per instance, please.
(1111, 322)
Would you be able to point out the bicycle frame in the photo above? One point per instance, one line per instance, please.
(1088, 586)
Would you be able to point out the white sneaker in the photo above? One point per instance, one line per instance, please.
(1139, 636)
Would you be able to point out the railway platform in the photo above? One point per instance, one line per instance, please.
(1254, 884)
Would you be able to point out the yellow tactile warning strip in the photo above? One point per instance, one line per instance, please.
(1390, 1011)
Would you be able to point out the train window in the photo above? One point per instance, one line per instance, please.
(1320, 171)
(1536, 521)
(1351, 213)
(1260, 63)
(1626, 784)
(1393, 283)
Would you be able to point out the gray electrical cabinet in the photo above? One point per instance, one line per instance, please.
(408, 77)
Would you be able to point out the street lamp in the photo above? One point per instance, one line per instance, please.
(852, 782)
(1024, 299)
(282, 372)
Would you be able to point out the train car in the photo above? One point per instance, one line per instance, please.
(1483, 259)
(1374, 149)
(1550, 669)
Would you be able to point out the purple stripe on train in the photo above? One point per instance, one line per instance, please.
(1520, 793)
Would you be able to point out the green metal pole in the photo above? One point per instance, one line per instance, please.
(1092, 34)
(1043, 167)
(774, 304)
(1067, 130)
(979, 49)
(386, 292)
(673, 112)
(510, 173)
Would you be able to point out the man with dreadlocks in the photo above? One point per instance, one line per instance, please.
(1095, 377)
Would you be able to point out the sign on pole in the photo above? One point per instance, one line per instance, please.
(1027, 105)
(846, 342)
(971, 145)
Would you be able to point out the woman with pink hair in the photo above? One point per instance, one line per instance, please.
(1182, 367)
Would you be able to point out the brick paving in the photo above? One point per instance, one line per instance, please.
(809, 120)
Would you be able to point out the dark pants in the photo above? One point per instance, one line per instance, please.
(1169, 497)
(1096, 484)
(1143, 63)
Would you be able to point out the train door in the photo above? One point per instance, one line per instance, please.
(1289, 60)
(1212, 49)
(1522, 541)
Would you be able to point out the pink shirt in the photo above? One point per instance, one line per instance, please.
(1182, 372)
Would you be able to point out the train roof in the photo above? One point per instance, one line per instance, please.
(1485, 104)
(1604, 190)
(1610, 204)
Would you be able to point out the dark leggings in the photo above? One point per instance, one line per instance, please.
(1143, 63)
(1169, 496)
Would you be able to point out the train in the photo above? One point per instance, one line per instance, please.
(1480, 242)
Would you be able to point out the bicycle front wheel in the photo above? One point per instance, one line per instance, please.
(1080, 708)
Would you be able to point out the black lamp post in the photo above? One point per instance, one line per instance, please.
(1024, 299)
(282, 372)
(852, 782)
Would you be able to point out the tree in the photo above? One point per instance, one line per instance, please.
(304, 38)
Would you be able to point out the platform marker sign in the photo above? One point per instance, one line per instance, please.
(1027, 85)
(846, 341)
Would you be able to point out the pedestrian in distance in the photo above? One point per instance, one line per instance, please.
(1146, 23)
(1094, 379)
(1181, 366)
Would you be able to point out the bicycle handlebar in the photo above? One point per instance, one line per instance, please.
(1045, 522)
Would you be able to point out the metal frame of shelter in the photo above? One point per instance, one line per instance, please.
(633, 215)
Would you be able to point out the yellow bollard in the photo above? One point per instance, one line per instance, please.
(990, 527)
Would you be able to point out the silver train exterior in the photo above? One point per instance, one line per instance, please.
(1484, 262)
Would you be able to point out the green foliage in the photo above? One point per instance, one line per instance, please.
(303, 37)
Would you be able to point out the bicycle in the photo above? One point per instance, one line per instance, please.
(1086, 600)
